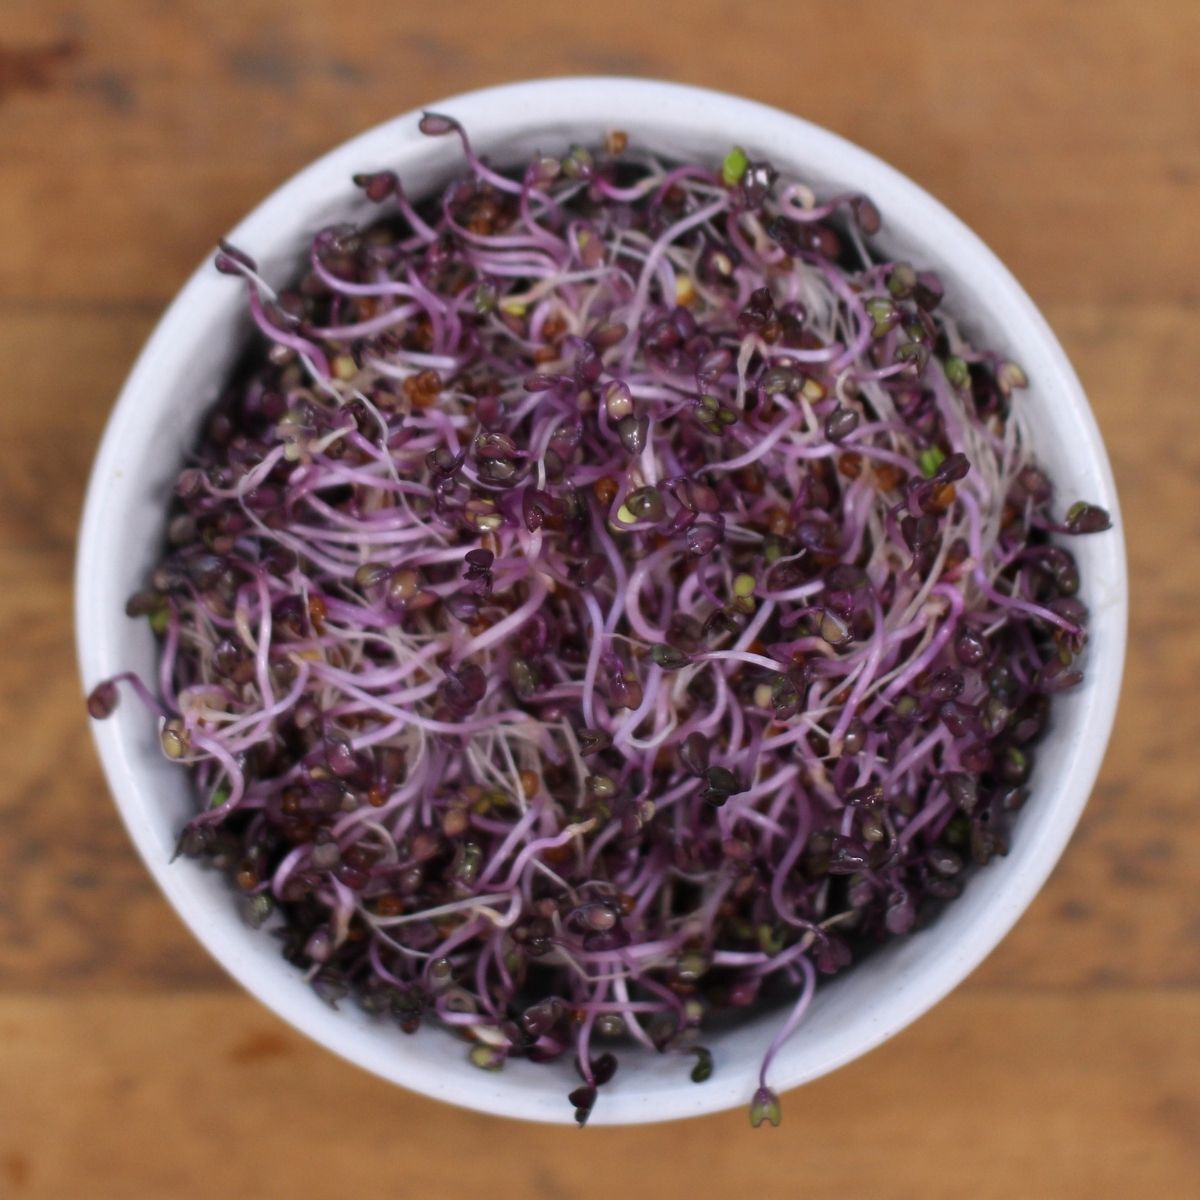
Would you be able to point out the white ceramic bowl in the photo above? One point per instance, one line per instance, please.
(179, 374)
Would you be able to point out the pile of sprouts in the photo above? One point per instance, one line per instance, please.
(612, 594)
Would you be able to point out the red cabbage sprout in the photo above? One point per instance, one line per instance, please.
(614, 594)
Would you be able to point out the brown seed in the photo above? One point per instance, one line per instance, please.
(888, 477)
(404, 584)
(615, 141)
(317, 612)
(555, 856)
(955, 556)
(529, 783)
(421, 335)
(850, 465)
(455, 822)
(376, 797)
(389, 905)
(423, 388)
(605, 490)
(778, 521)
(944, 496)
(750, 479)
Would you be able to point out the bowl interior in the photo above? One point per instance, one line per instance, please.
(191, 354)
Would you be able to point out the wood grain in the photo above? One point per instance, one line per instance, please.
(1064, 140)
(186, 1096)
(132, 136)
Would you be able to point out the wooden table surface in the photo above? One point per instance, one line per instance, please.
(133, 134)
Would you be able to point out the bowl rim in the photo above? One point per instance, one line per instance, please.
(582, 99)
